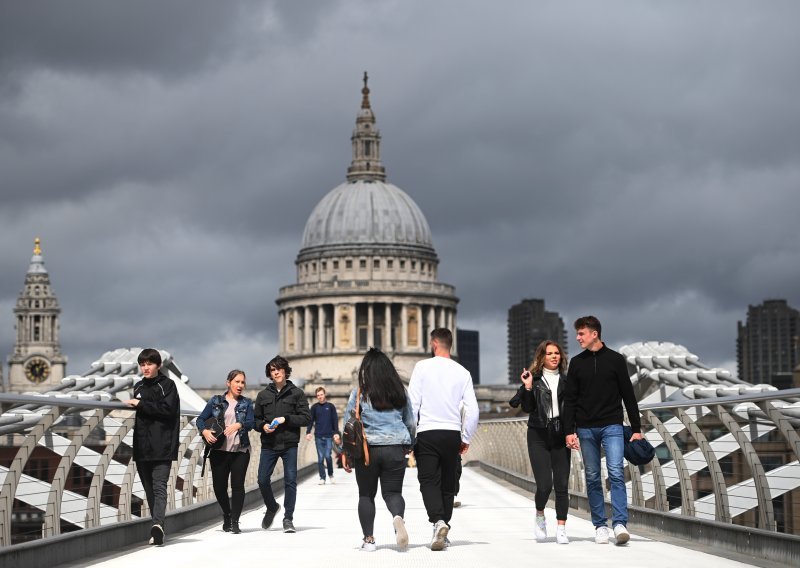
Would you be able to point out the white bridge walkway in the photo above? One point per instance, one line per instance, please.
(493, 528)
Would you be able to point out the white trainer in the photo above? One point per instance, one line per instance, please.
(332, 481)
(368, 546)
(321, 482)
(561, 534)
(439, 540)
(400, 532)
(540, 528)
(621, 535)
(601, 535)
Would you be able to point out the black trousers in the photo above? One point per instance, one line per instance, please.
(387, 464)
(154, 476)
(550, 468)
(437, 453)
(231, 465)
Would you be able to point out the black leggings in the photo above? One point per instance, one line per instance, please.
(550, 468)
(387, 464)
(233, 465)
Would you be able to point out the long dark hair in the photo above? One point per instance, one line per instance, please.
(380, 383)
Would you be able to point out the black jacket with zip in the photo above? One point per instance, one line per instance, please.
(158, 417)
(291, 403)
(597, 385)
(538, 402)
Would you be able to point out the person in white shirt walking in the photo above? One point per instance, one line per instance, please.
(437, 388)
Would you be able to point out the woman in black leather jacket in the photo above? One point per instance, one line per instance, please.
(542, 396)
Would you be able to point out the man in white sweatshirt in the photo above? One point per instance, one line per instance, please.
(438, 387)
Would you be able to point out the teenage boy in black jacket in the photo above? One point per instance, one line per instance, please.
(597, 385)
(281, 410)
(155, 435)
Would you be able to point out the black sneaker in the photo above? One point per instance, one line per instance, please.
(269, 516)
(157, 534)
(288, 526)
(235, 527)
(226, 523)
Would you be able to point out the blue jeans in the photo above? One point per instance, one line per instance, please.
(324, 448)
(611, 440)
(269, 458)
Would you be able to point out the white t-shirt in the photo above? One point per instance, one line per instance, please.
(438, 386)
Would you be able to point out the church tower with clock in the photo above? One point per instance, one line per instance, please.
(37, 363)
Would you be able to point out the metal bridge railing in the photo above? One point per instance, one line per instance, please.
(65, 465)
(732, 459)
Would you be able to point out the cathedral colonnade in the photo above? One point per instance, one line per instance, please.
(347, 327)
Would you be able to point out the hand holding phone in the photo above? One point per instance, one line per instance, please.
(274, 424)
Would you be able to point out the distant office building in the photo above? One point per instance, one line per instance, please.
(528, 325)
(767, 345)
(469, 352)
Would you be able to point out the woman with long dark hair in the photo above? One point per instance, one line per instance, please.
(230, 460)
(390, 428)
(542, 395)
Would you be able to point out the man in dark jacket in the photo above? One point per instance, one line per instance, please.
(155, 435)
(281, 410)
(597, 385)
(325, 423)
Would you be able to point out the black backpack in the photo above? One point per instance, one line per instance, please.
(354, 439)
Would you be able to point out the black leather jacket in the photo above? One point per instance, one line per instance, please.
(538, 401)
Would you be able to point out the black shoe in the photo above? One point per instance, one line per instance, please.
(235, 527)
(157, 534)
(269, 516)
(288, 526)
(226, 523)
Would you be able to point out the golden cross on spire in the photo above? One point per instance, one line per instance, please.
(365, 92)
(37, 249)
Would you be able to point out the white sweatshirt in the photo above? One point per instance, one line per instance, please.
(438, 386)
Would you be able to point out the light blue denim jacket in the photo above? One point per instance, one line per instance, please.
(385, 427)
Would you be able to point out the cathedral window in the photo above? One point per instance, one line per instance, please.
(313, 267)
(402, 265)
(336, 265)
(413, 265)
(362, 264)
(390, 264)
(367, 147)
(348, 264)
(324, 266)
(376, 264)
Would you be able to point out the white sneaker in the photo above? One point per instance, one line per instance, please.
(321, 482)
(540, 528)
(400, 532)
(333, 482)
(368, 546)
(621, 535)
(601, 535)
(440, 530)
(561, 535)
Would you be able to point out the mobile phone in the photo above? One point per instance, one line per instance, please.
(274, 424)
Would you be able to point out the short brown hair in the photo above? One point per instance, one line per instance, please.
(320, 389)
(444, 336)
(589, 322)
(538, 358)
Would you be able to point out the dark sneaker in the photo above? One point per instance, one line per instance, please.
(288, 526)
(235, 527)
(157, 534)
(226, 523)
(269, 516)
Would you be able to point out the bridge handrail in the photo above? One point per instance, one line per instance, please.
(31, 421)
(692, 438)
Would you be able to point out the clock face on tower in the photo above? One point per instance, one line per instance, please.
(37, 370)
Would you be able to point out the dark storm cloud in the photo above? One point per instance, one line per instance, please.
(636, 161)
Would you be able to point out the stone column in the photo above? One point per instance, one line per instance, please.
(281, 332)
(370, 325)
(431, 319)
(308, 341)
(296, 312)
(387, 335)
(353, 328)
(321, 346)
(441, 317)
(403, 328)
(420, 345)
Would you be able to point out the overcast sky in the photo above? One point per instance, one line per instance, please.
(635, 160)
